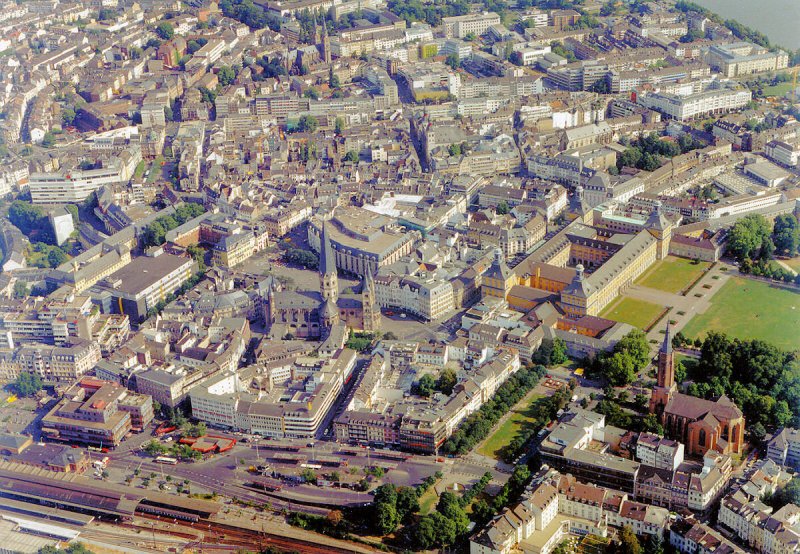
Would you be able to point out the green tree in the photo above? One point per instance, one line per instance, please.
(559, 354)
(386, 518)
(67, 116)
(27, 384)
(351, 156)
(450, 507)
(21, 289)
(307, 124)
(452, 60)
(786, 234)
(48, 140)
(748, 236)
(628, 542)
(339, 125)
(165, 30)
(426, 385)
(502, 208)
(226, 75)
(447, 381)
(56, 257)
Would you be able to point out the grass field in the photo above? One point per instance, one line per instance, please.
(748, 309)
(778, 90)
(507, 430)
(794, 263)
(672, 274)
(427, 501)
(632, 311)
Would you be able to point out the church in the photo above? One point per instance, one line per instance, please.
(700, 424)
(312, 314)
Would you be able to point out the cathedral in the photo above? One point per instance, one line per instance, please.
(700, 424)
(312, 314)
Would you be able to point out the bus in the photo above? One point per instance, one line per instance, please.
(311, 466)
(166, 460)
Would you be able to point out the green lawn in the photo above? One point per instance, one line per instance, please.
(778, 90)
(748, 309)
(632, 311)
(155, 170)
(794, 263)
(139, 171)
(672, 274)
(505, 433)
(427, 501)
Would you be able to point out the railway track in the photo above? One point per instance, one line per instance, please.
(223, 535)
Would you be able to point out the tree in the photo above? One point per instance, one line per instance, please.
(407, 503)
(339, 125)
(452, 60)
(619, 369)
(27, 384)
(447, 380)
(307, 124)
(502, 208)
(628, 542)
(21, 289)
(351, 156)
(748, 236)
(48, 140)
(165, 30)
(334, 517)
(654, 545)
(309, 476)
(386, 518)
(56, 257)
(559, 354)
(786, 234)
(450, 507)
(426, 385)
(67, 116)
(226, 75)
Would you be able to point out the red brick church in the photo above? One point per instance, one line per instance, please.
(700, 424)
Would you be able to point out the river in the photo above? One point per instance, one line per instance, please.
(778, 19)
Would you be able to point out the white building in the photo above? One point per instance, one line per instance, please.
(700, 104)
(476, 23)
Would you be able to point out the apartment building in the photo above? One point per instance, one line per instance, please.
(783, 153)
(659, 452)
(699, 104)
(54, 364)
(476, 24)
(557, 506)
(784, 448)
(743, 58)
(423, 295)
(73, 186)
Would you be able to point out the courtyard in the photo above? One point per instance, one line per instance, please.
(750, 309)
(673, 274)
(633, 311)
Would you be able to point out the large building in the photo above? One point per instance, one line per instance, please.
(471, 24)
(75, 185)
(700, 424)
(54, 364)
(97, 413)
(697, 104)
(743, 58)
(362, 241)
(147, 280)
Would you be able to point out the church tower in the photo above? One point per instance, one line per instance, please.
(666, 362)
(326, 43)
(661, 228)
(665, 387)
(371, 312)
(329, 282)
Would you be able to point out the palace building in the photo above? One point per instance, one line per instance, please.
(700, 424)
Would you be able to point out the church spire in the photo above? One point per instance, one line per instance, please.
(327, 266)
(666, 362)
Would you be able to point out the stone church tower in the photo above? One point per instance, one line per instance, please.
(329, 281)
(371, 311)
(665, 387)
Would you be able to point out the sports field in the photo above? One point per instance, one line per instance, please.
(632, 311)
(672, 274)
(748, 309)
(506, 431)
